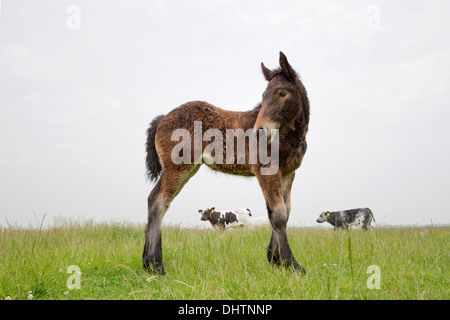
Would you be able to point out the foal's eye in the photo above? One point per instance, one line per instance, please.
(282, 94)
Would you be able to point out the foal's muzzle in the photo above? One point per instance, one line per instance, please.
(261, 134)
(265, 134)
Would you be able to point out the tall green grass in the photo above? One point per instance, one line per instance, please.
(204, 264)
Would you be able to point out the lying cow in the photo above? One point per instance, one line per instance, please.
(221, 220)
(348, 218)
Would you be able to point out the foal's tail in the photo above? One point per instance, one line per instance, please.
(152, 160)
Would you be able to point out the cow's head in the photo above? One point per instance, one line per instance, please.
(323, 217)
(206, 215)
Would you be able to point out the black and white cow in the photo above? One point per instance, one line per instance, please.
(222, 220)
(348, 218)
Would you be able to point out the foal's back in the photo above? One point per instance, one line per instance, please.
(211, 117)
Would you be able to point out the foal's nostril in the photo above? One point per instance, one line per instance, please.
(263, 134)
(257, 133)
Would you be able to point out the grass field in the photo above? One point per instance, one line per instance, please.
(203, 264)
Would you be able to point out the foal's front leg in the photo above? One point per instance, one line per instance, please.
(278, 251)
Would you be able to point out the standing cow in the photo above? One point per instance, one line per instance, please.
(222, 220)
(348, 218)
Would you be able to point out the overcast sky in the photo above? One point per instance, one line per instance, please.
(81, 80)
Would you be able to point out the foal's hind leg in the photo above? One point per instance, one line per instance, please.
(167, 188)
(152, 255)
(278, 251)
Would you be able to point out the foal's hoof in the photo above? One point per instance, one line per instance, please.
(154, 266)
(298, 268)
(294, 266)
(288, 264)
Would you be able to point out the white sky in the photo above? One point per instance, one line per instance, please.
(75, 103)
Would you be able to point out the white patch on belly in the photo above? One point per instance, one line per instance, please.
(359, 219)
(234, 224)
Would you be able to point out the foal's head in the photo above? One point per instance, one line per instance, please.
(284, 100)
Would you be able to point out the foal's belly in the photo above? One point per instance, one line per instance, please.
(235, 169)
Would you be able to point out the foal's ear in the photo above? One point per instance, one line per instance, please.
(268, 74)
(286, 68)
